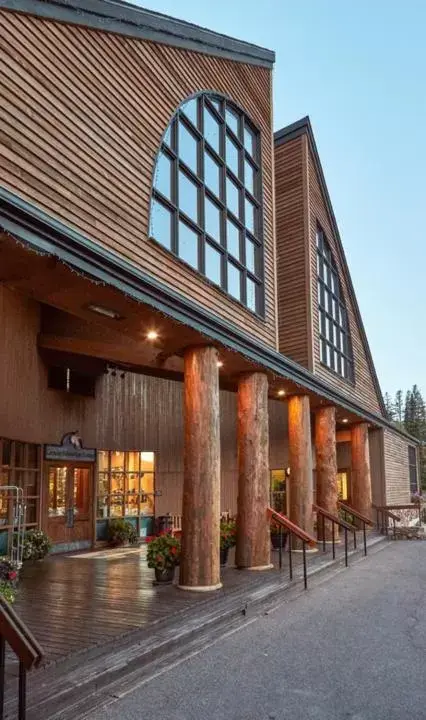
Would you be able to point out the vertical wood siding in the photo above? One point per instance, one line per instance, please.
(396, 469)
(134, 413)
(82, 116)
(292, 251)
(364, 390)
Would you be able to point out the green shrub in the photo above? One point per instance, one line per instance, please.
(121, 532)
(228, 534)
(36, 545)
(163, 551)
(7, 591)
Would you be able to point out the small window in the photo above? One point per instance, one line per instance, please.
(412, 467)
(206, 204)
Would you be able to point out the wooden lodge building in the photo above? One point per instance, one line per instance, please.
(173, 292)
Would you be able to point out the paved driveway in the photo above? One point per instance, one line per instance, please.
(350, 648)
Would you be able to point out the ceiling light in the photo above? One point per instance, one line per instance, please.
(106, 312)
(219, 363)
(345, 420)
(281, 392)
(152, 335)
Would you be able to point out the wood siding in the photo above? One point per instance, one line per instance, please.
(363, 391)
(377, 467)
(396, 469)
(134, 413)
(83, 113)
(292, 251)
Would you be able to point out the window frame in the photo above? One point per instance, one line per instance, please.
(217, 106)
(413, 468)
(334, 322)
(111, 497)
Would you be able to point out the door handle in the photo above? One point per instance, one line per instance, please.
(70, 517)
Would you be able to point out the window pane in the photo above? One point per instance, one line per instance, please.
(232, 197)
(103, 460)
(249, 176)
(163, 175)
(161, 224)
(232, 156)
(190, 110)
(232, 120)
(233, 239)
(217, 104)
(250, 216)
(211, 130)
(234, 281)
(212, 220)
(249, 141)
(188, 245)
(251, 294)
(188, 196)
(167, 139)
(187, 148)
(212, 174)
(147, 461)
(213, 264)
(250, 255)
(117, 461)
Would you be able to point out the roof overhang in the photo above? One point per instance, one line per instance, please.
(49, 236)
(123, 18)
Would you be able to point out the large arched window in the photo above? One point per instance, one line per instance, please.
(335, 340)
(206, 198)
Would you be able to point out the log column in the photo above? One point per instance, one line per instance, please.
(253, 536)
(360, 471)
(326, 468)
(199, 567)
(300, 461)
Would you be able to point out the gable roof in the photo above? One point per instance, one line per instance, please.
(124, 18)
(290, 132)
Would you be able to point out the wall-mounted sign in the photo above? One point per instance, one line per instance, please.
(70, 449)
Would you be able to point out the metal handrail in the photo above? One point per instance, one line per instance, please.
(383, 512)
(348, 510)
(335, 520)
(15, 633)
(292, 529)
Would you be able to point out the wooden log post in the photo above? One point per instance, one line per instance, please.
(199, 566)
(253, 536)
(326, 469)
(360, 471)
(300, 460)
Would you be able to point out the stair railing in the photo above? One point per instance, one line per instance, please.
(363, 519)
(383, 515)
(293, 530)
(335, 520)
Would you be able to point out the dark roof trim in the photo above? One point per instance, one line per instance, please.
(124, 18)
(304, 127)
(44, 234)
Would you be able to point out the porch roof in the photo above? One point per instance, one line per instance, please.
(49, 237)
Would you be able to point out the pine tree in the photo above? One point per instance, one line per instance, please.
(399, 409)
(389, 407)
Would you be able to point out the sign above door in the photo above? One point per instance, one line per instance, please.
(70, 449)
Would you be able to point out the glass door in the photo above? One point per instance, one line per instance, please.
(69, 503)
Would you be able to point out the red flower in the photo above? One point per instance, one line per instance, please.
(173, 550)
(13, 575)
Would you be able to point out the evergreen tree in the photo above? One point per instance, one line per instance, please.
(389, 407)
(399, 409)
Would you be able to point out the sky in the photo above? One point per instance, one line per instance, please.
(358, 69)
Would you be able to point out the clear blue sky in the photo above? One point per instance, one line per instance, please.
(358, 69)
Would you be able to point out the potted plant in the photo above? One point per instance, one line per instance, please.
(36, 545)
(121, 532)
(228, 538)
(8, 580)
(163, 555)
(277, 537)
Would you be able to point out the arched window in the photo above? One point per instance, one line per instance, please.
(206, 197)
(335, 340)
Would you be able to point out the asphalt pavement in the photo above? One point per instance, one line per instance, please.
(351, 648)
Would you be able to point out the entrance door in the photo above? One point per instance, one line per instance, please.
(69, 502)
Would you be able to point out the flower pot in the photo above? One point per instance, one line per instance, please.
(165, 576)
(224, 556)
(275, 539)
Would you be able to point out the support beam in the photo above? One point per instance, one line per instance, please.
(326, 468)
(300, 460)
(199, 568)
(253, 536)
(360, 472)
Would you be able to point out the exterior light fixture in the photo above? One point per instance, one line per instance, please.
(281, 393)
(152, 335)
(345, 420)
(219, 363)
(106, 312)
